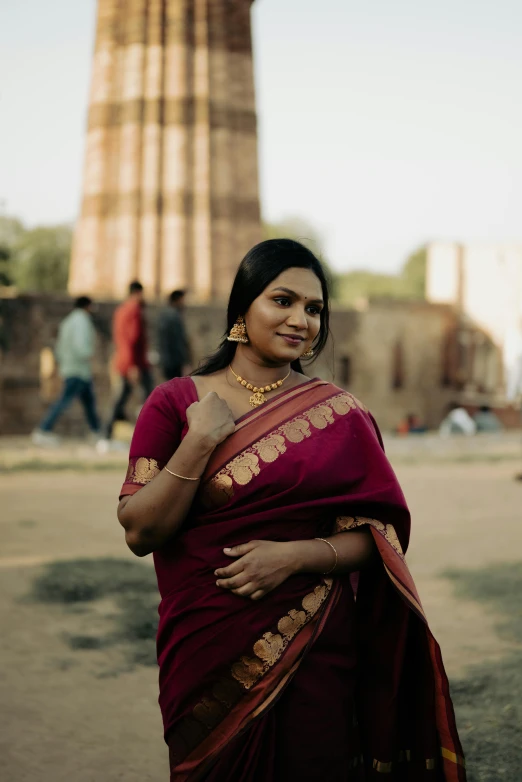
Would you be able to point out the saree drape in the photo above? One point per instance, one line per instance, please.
(309, 676)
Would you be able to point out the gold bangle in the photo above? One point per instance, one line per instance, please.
(334, 551)
(183, 477)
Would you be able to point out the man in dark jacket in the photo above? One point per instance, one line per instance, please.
(173, 345)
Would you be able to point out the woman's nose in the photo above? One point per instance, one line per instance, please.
(297, 318)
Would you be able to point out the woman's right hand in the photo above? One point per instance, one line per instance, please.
(210, 420)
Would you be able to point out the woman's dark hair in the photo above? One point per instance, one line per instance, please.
(262, 264)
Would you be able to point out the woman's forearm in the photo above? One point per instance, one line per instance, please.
(355, 549)
(154, 514)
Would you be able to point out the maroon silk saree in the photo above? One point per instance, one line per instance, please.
(308, 683)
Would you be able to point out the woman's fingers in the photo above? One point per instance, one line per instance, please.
(233, 583)
(242, 549)
(229, 571)
(257, 595)
(245, 591)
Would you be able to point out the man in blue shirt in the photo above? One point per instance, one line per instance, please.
(74, 351)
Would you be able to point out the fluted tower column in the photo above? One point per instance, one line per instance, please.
(170, 191)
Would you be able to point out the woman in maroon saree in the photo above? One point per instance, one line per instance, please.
(332, 676)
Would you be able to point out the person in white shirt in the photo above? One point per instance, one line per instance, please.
(457, 421)
(74, 351)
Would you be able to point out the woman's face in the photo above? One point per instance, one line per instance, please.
(285, 319)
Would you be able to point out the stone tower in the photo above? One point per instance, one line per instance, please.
(170, 192)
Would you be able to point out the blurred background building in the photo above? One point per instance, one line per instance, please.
(400, 357)
(171, 197)
(483, 283)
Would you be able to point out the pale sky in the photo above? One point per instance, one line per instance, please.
(385, 123)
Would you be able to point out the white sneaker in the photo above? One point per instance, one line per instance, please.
(103, 446)
(45, 439)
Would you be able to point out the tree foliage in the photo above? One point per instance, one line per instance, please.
(360, 285)
(35, 259)
(296, 228)
(11, 230)
(350, 288)
(414, 273)
(5, 266)
(410, 283)
(42, 259)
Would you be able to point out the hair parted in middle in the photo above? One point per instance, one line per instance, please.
(262, 264)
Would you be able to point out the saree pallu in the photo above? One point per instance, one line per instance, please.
(237, 675)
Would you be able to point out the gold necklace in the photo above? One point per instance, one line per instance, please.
(258, 397)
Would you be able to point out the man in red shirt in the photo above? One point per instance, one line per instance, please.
(129, 330)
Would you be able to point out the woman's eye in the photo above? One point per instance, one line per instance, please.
(314, 310)
(282, 300)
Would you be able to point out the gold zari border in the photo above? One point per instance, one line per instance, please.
(247, 465)
(345, 523)
(142, 471)
(243, 675)
(248, 670)
(244, 467)
(447, 754)
(386, 767)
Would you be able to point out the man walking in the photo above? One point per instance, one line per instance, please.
(173, 345)
(74, 352)
(130, 361)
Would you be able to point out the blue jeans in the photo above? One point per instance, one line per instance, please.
(74, 387)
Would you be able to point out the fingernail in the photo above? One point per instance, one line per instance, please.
(226, 550)
(217, 583)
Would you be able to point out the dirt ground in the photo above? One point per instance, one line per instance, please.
(84, 714)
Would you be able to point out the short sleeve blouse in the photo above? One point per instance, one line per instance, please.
(161, 426)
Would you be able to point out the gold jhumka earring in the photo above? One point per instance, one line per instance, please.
(309, 353)
(238, 332)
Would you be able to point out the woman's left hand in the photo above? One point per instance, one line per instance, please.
(260, 567)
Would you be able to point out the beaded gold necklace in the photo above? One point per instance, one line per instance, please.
(258, 397)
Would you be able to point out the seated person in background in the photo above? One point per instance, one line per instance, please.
(415, 425)
(486, 420)
(412, 424)
(457, 421)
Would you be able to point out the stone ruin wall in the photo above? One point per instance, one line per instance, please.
(363, 357)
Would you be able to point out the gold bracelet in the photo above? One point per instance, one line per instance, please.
(183, 477)
(334, 551)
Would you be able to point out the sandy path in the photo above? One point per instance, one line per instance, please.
(68, 719)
